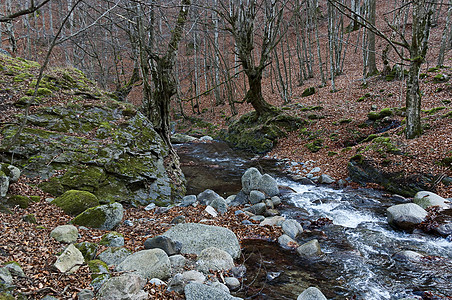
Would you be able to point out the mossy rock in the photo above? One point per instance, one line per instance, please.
(385, 112)
(259, 134)
(88, 250)
(74, 202)
(21, 201)
(30, 218)
(383, 145)
(105, 217)
(97, 268)
(112, 239)
(315, 146)
(308, 92)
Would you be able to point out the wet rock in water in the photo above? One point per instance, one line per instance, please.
(65, 234)
(310, 249)
(257, 209)
(406, 216)
(197, 291)
(112, 239)
(179, 138)
(268, 186)
(286, 242)
(292, 228)
(256, 197)
(408, 255)
(164, 243)
(428, 199)
(444, 229)
(197, 237)
(70, 260)
(214, 259)
(179, 281)
(326, 179)
(311, 293)
(148, 263)
(276, 201)
(126, 286)
(105, 217)
(250, 180)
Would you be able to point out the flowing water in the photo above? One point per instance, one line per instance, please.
(358, 244)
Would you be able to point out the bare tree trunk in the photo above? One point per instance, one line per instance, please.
(371, 63)
(446, 37)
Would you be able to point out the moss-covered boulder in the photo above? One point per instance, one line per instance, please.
(102, 146)
(74, 202)
(308, 92)
(105, 217)
(112, 239)
(19, 200)
(259, 134)
(88, 250)
(99, 273)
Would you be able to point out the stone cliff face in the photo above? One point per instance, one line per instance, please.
(98, 145)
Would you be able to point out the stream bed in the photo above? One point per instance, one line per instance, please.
(359, 246)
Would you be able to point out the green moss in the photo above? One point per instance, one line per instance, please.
(97, 268)
(433, 110)
(440, 78)
(30, 218)
(446, 102)
(21, 201)
(345, 121)
(359, 158)
(74, 202)
(332, 153)
(308, 92)
(383, 145)
(35, 198)
(108, 238)
(315, 146)
(385, 112)
(93, 217)
(423, 75)
(311, 108)
(433, 70)
(88, 250)
(22, 77)
(369, 138)
(447, 115)
(53, 186)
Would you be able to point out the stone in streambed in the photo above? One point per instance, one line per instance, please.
(311, 293)
(428, 199)
(310, 249)
(406, 216)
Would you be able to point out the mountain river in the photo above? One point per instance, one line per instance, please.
(359, 247)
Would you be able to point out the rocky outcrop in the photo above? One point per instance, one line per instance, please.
(363, 171)
(104, 147)
(196, 237)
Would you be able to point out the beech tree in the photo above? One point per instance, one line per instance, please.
(254, 51)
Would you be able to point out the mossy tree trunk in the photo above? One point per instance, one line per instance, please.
(241, 17)
(418, 51)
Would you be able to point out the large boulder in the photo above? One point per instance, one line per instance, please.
(197, 237)
(126, 286)
(105, 217)
(65, 234)
(269, 186)
(105, 147)
(114, 256)
(406, 216)
(292, 228)
(74, 202)
(311, 293)
(207, 197)
(428, 199)
(250, 180)
(198, 291)
(214, 259)
(152, 263)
